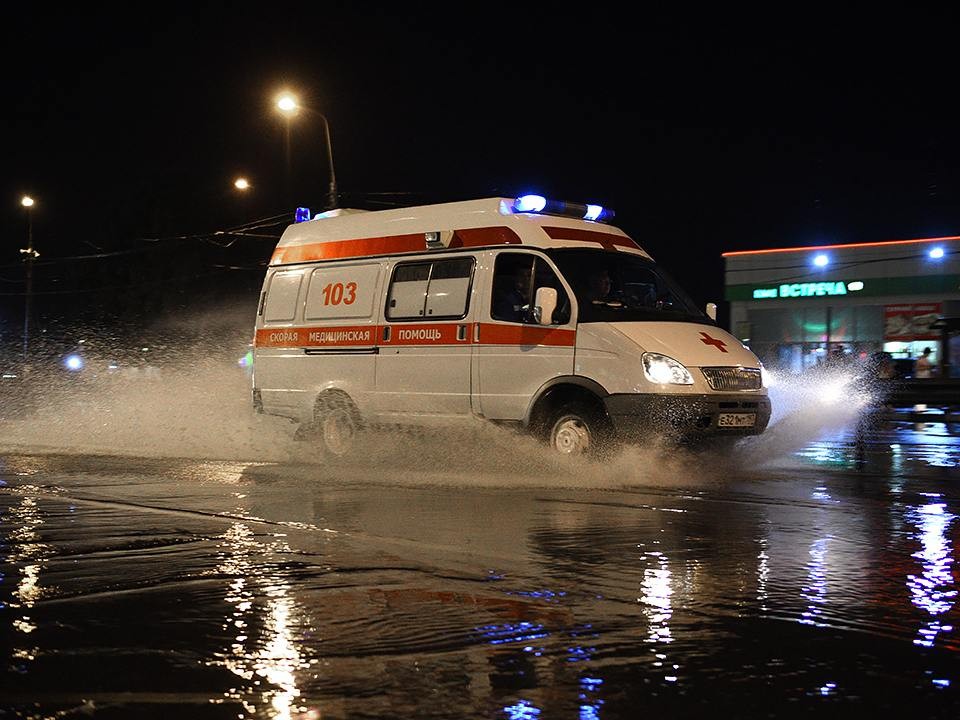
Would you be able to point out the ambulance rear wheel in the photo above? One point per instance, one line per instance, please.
(578, 430)
(338, 423)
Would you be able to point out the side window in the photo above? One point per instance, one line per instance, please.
(281, 305)
(408, 291)
(341, 292)
(512, 287)
(516, 278)
(449, 288)
(438, 289)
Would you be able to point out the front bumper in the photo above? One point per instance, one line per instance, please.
(635, 415)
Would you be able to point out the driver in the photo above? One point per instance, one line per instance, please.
(599, 285)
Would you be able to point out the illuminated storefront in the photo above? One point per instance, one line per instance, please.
(797, 307)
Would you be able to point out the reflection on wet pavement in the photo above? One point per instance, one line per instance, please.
(821, 582)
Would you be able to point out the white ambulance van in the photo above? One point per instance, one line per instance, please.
(521, 311)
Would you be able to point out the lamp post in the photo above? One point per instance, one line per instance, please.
(289, 106)
(29, 256)
(332, 191)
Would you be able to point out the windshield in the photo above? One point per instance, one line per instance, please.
(617, 287)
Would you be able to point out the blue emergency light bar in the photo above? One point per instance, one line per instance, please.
(301, 215)
(539, 204)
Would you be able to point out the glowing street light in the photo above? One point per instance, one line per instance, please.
(29, 256)
(288, 105)
(241, 184)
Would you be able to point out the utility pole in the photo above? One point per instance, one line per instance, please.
(30, 255)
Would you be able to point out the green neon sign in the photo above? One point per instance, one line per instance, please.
(817, 289)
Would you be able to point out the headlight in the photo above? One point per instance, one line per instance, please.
(664, 370)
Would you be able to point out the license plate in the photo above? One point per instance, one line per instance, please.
(737, 420)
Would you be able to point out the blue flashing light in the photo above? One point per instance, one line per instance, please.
(936, 253)
(301, 215)
(74, 362)
(539, 204)
(529, 203)
(821, 260)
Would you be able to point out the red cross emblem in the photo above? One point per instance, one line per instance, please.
(718, 344)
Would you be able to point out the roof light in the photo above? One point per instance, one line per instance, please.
(539, 204)
(821, 260)
(301, 215)
(936, 253)
(529, 203)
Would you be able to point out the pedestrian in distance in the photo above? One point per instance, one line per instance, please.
(923, 368)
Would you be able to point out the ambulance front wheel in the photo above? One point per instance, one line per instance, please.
(338, 423)
(577, 429)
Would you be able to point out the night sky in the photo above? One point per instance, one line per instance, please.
(703, 133)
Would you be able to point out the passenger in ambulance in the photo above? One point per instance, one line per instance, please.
(512, 301)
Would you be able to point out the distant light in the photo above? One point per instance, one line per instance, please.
(855, 286)
(145, 349)
(74, 362)
(241, 184)
(26, 201)
(821, 260)
(301, 215)
(593, 212)
(529, 203)
(287, 103)
(80, 342)
(936, 253)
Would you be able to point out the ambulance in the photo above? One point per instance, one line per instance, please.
(522, 311)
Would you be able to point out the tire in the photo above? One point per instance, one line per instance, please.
(578, 430)
(337, 424)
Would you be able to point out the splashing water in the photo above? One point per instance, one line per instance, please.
(197, 404)
(806, 408)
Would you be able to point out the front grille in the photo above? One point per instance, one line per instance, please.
(733, 378)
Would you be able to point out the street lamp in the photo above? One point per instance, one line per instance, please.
(241, 184)
(289, 105)
(29, 256)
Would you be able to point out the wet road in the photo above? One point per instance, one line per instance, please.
(452, 580)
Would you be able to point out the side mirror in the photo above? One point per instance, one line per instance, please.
(712, 311)
(545, 302)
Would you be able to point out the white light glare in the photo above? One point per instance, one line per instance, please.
(74, 362)
(287, 103)
(665, 370)
(26, 201)
(821, 260)
(936, 253)
(766, 378)
(593, 212)
(530, 203)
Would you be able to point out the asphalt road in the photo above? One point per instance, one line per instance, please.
(218, 570)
